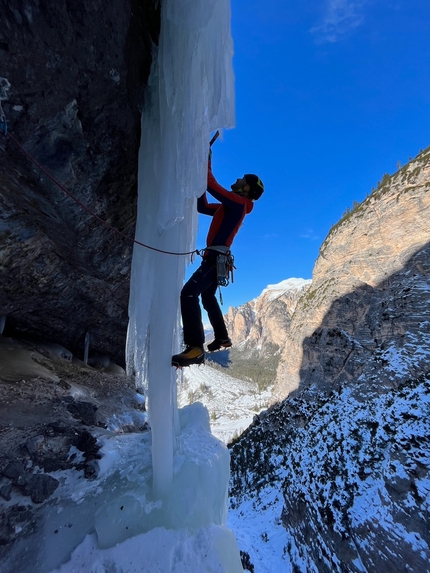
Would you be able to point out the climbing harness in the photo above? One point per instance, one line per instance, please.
(224, 266)
(224, 269)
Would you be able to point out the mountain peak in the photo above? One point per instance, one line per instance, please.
(266, 318)
(288, 284)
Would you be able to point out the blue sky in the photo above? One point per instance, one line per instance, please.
(330, 95)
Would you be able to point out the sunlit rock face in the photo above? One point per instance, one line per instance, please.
(358, 282)
(264, 322)
(72, 92)
(258, 330)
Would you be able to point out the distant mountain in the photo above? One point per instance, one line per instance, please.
(264, 321)
(236, 384)
(343, 455)
(258, 330)
(231, 403)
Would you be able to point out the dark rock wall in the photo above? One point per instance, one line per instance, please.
(74, 74)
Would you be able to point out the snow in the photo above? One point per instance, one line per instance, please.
(291, 284)
(287, 284)
(232, 403)
(210, 549)
(396, 360)
(258, 528)
(357, 445)
(117, 521)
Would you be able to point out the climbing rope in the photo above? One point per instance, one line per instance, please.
(3, 127)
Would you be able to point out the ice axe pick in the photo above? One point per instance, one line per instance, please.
(214, 138)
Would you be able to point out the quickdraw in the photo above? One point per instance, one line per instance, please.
(224, 268)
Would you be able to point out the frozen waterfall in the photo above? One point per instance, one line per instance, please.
(190, 94)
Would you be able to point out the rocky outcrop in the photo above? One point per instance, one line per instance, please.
(353, 471)
(53, 410)
(72, 87)
(258, 330)
(263, 323)
(349, 450)
(360, 254)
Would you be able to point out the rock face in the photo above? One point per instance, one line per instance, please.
(52, 412)
(358, 265)
(349, 448)
(264, 322)
(353, 470)
(72, 86)
(258, 330)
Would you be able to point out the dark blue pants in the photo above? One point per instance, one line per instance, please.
(202, 283)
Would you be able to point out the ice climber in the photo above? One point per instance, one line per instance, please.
(227, 217)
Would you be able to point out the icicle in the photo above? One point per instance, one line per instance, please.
(190, 95)
(86, 347)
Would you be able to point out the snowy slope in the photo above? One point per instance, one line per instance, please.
(348, 487)
(284, 287)
(344, 462)
(232, 403)
(257, 525)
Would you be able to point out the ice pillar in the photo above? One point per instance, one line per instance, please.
(190, 94)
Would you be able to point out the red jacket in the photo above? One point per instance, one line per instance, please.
(227, 215)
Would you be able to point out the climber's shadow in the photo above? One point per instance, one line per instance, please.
(221, 357)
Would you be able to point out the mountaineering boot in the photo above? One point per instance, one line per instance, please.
(219, 343)
(191, 355)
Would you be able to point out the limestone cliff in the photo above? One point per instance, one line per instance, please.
(357, 265)
(264, 322)
(71, 88)
(258, 330)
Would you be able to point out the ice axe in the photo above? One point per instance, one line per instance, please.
(214, 138)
